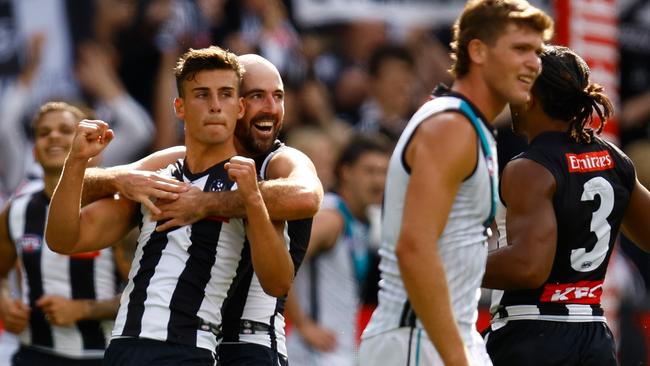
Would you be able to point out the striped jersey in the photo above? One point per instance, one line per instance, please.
(248, 304)
(593, 186)
(89, 275)
(180, 278)
(462, 245)
(329, 290)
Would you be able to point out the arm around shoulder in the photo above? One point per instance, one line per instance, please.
(292, 190)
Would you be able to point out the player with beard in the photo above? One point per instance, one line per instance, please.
(253, 329)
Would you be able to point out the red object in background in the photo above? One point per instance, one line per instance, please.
(363, 317)
(643, 321)
(590, 27)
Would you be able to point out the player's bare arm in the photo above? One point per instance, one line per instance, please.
(636, 222)
(325, 230)
(428, 201)
(291, 192)
(13, 312)
(527, 189)
(62, 311)
(269, 254)
(7, 248)
(137, 181)
(70, 229)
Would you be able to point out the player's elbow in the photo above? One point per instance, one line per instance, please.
(532, 276)
(310, 202)
(277, 288)
(407, 251)
(59, 245)
(58, 241)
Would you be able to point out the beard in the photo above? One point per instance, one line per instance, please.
(245, 134)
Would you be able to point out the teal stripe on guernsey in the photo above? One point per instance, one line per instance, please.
(417, 348)
(360, 259)
(487, 152)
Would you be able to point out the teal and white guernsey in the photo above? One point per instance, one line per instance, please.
(463, 243)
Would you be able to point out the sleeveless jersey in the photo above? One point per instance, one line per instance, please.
(248, 304)
(463, 243)
(329, 289)
(81, 276)
(593, 186)
(180, 278)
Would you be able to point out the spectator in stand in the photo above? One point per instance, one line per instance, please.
(391, 90)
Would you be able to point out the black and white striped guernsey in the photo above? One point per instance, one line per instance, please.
(593, 182)
(180, 278)
(81, 276)
(250, 315)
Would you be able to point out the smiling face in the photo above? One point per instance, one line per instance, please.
(53, 135)
(512, 64)
(263, 94)
(210, 106)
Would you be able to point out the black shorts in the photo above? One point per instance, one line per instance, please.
(28, 356)
(549, 343)
(149, 352)
(249, 354)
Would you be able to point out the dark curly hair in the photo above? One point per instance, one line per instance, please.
(567, 94)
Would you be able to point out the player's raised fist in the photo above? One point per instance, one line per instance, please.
(242, 171)
(91, 137)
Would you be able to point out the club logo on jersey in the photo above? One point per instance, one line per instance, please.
(217, 186)
(30, 243)
(582, 292)
(589, 162)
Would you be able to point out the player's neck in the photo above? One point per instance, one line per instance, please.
(479, 94)
(546, 124)
(199, 157)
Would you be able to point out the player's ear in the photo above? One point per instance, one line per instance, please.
(477, 51)
(179, 108)
(242, 109)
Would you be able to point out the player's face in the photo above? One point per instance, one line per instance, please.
(513, 63)
(367, 176)
(53, 138)
(263, 94)
(210, 106)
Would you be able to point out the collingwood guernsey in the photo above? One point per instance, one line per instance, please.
(250, 315)
(180, 278)
(89, 275)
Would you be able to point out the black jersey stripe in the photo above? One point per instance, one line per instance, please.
(299, 232)
(82, 283)
(190, 290)
(151, 254)
(233, 305)
(35, 225)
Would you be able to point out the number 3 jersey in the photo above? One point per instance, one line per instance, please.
(593, 186)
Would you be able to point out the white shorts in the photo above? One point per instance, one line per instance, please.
(398, 347)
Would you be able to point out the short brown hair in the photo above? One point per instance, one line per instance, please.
(210, 58)
(485, 20)
(57, 107)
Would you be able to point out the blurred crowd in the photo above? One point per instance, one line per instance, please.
(114, 58)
